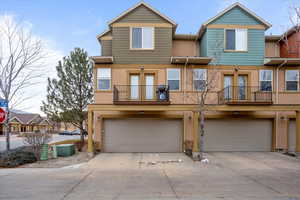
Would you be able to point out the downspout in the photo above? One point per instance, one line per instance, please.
(185, 79)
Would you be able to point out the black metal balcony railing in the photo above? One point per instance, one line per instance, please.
(141, 94)
(244, 95)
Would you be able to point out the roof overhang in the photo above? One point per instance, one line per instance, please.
(282, 61)
(272, 38)
(190, 60)
(184, 37)
(102, 59)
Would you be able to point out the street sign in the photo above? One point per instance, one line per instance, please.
(2, 115)
(3, 103)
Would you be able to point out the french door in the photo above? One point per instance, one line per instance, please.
(235, 87)
(142, 86)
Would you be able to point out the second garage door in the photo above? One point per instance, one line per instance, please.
(142, 135)
(238, 135)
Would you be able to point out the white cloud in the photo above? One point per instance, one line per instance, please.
(45, 67)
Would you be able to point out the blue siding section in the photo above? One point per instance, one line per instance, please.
(203, 45)
(212, 42)
(254, 55)
(236, 16)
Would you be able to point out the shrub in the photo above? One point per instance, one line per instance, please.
(16, 157)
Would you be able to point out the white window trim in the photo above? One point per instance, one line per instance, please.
(205, 78)
(230, 50)
(266, 80)
(153, 37)
(98, 78)
(290, 80)
(179, 78)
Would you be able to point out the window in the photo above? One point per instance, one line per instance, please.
(265, 79)
(236, 39)
(104, 78)
(199, 79)
(173, 77)
(291, 80)
(142, 38)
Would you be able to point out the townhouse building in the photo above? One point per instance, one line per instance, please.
(148, 80)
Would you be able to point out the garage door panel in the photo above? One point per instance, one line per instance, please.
(142, 135)
(238, 135)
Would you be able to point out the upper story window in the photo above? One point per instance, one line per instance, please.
(265, 80)
(104, 78)
(199, 79)
(236, 39)
(142, 38)
(291, 80)
(173, 77)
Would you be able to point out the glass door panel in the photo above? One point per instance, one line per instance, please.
(149, 82)
(242, 87)
(134, 87)
(228, 86)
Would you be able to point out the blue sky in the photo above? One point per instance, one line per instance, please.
(72, 23)
(65, 24)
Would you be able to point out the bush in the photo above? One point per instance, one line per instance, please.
(16, 157)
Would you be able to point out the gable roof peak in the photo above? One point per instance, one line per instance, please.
(237, 4)
(147, 6)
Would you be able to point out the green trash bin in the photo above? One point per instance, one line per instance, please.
(65, 150)
(44, 152)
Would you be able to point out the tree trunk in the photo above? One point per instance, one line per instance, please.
(201, 146)
(81, 137)
(7, 129)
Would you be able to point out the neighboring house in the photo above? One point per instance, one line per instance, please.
(27, 122)
(148, 79)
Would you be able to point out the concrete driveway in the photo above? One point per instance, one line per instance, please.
(134, 176)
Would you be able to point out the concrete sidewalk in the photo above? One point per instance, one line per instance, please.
(133, 176)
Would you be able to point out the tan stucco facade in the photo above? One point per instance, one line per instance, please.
(188, 96)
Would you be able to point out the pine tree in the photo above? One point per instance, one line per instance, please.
(69, 94)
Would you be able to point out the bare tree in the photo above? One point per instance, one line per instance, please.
(207, 87)
(36, 140)
(294, 18)
(20, 57)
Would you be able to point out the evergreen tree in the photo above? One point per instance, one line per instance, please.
(69, 94)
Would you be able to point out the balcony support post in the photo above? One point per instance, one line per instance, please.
(90, 131)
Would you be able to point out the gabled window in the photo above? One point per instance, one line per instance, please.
(291, 80)
(103, 78)
(236, 39)
(265, 80)
(142, 38)
(173, 77)
(199, 79)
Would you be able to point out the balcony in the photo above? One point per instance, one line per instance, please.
(141, 94)
(244, 95)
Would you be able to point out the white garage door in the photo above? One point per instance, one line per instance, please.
(238, 135)
(292, 135)
(142, 135)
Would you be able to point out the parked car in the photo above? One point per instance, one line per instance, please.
(65, 133)
(77, 132)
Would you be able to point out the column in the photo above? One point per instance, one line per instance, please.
(90, 131)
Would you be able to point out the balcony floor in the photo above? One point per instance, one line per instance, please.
(141, 102)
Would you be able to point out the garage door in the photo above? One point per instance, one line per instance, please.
(292, 135)
(142, 135)
(238, 135)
